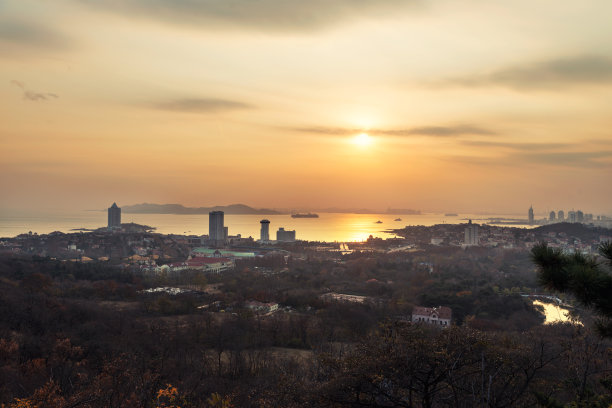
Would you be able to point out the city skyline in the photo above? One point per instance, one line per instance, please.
(447, 106)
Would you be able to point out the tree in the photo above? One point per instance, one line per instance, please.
(587, 279)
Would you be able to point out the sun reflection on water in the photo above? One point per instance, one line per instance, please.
(554, 313)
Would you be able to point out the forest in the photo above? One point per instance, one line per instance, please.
(89, 335)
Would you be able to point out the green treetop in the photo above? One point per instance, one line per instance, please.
(586, 278)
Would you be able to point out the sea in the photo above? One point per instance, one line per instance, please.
(329, 227)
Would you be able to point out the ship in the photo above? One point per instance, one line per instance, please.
(378, 222)
(304, 215)
(397, 219)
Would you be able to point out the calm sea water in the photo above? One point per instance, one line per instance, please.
(328, 227)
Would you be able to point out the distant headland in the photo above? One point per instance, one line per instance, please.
(147, 208)
(238, 209)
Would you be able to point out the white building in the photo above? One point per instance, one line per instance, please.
(206, 264)
(261, 307)
(438, 316)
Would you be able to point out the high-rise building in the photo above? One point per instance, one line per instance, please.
(114, 216)
(530, 215)
(471, 234)
(561, 215)
(265, 230)
(579, 216)
(216, 230)
(551, 216)
(571, 216)
(285, 236)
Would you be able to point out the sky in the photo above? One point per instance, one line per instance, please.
(468, 105)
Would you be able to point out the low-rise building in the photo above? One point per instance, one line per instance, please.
(439, 316)
(261, 307)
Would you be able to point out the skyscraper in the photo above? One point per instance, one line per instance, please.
(114, 216)
(265, 230)
(551, 216)
(561, 215)
(530, 215)
(216, 230)
(471, 234)
(579, 216)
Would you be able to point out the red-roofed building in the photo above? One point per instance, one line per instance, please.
(206, 264)
(439, 316)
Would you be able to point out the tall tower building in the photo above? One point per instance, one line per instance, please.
(579, 216)
(114, 216)
(551, 216)
(530, 215)
(471, 234)
(265, 230)
(216, 230)
(561, 215)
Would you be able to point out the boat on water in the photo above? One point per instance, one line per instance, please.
(451, 215)
(378, 222)
(397, 219)
(304, 215)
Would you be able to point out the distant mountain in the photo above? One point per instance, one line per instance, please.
(347, 210)
(368, 211)
(146, 208)
(406, 211)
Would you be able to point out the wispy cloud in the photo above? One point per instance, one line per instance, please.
(28, 34)
(31, 95)
(432, 131)
(550, 74)
(265, 15)
(528, 147)
(200, 105)
(441, 131)
(580, 159)
(592, 159)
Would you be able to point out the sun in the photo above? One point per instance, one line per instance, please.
(362, 139)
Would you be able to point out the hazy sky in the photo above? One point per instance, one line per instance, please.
(470, 105)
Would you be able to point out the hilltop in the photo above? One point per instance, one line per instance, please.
(582, 231)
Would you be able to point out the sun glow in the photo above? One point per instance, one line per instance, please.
(362, 139)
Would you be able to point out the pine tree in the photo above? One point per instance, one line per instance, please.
(586, 278)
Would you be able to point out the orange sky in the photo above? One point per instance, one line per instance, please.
(469, 105)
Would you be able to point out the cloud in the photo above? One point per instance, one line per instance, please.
(441, 131)
(23, 33)
(265, 15)
(517, 146)
(30, 95)
(569, 159)
(577, 70)
(326, 131)
(433, 131)
(201, 105)
(584, 159)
